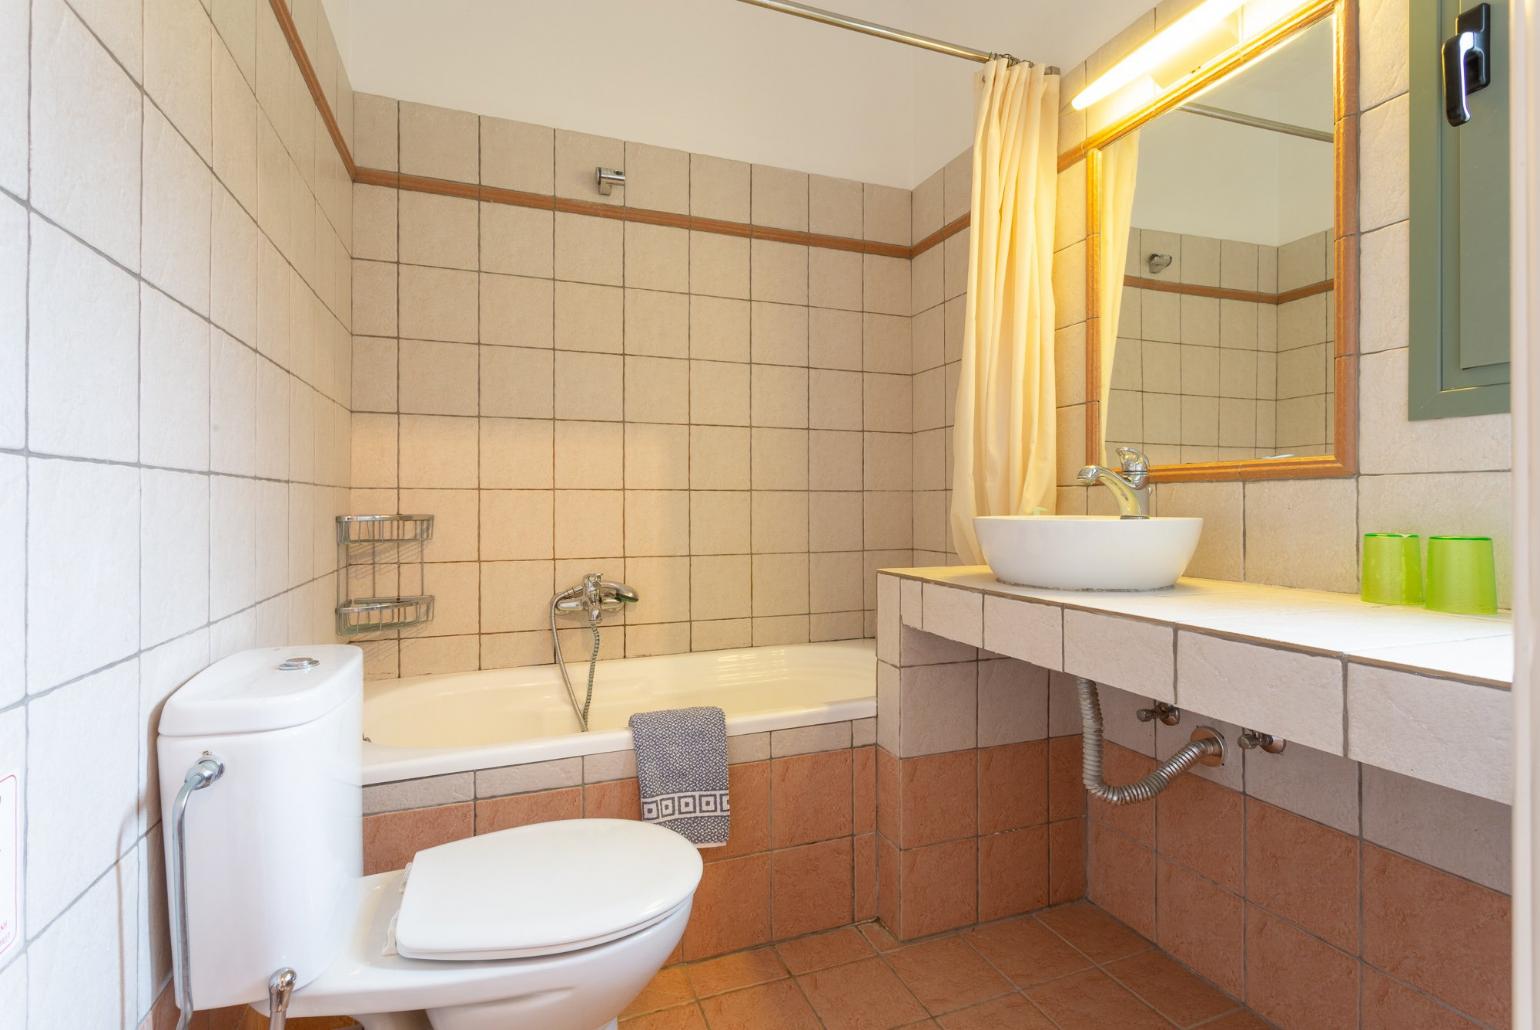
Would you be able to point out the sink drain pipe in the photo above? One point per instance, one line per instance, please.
(1206, 746)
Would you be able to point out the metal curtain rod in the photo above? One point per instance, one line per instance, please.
(1256, 122)
(871, 28)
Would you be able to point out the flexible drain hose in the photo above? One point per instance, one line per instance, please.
(1151, 783)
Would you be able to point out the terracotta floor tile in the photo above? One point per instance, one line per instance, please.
(1012, 1012)
(733, 972)
(1025, 951)
(1202, 924)
(1089, 929)
(887, 794)
(1171, 990)
(888, 908)
(864, 995)
(863, 789)
(1092, 1000)
(772, 1006)
(1437, 932)
(1066, 792)
(1390, 1005)
(670, 988)
(1295, 979)
(682, 1017)
(541, 806)
(864, 859)
(1066, 861)
(822, 950)
(1304, 872)
(878, 936)
(810, 798)
(938, 888)
(1239, 1020)
(947, 974)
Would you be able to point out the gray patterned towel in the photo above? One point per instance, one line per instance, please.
(681, 768)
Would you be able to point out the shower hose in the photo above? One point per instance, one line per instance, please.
(1148, 785)
(581, 711)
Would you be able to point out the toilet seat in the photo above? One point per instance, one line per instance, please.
(542, 889)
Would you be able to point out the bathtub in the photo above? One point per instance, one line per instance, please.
(454, 722)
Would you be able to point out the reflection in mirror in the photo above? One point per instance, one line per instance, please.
(1224, 329)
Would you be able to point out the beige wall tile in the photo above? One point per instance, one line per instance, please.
(517, 240)
(925, 207)
(719, 393)
(517, 156)
(719, 329)
(719, 188)
(720, 587)
(1384, 289)
(835, 583)
(657, 522)
(657, 457)
(589, 249)
(719, 522)
(834, 460)
(779, 272)
(834, 521)
(438, 378)
(439, 142)
(719, 265)
(779, 197)
(438, 451)
(1383, 165)
(658, 324)
(780, 584)
(657, 390)
(888, 403)
(1382, 46)
(1221, 547)
(937, 709)
(517, 382)
(889, 461)
(589, 318)
(834, 399)
(663, 584)
(719, 458)
(1465, 834)
(517, 311)
(517, 525)
(779, 396)
(657, 257)
(778, 333)
(589, 456)
(438, 304)
(834, 278)
(1464, 503)
(374, 222)
(657, 179)
(1302, 533)
(375, 132)
(1143, 661)
(1292, 695)
(589, 523)
(1311, 783)
(516, 454)
(834, 206)
(885, 284)
(577, 155)
(886, 214)
(779, 521)
(834, 339)
(1390, 443)
(589, 386)
(1012, 702)
(779, 459)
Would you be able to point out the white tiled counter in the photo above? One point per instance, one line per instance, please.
(1420, 693)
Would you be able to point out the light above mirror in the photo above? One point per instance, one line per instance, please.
(1156, 51)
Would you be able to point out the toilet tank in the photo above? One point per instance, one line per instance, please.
(274, 846)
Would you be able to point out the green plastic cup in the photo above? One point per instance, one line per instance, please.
(1462, 576)
(1392, 568)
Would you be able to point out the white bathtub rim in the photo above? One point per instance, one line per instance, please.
(385, 764)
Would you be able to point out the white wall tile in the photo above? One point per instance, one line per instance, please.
(83, 361)
(1125, 653)
(1446, 732)
(13, 566)
(83, 813)
(15, 18)
(1461, 833)
(1390, 443)
(13, 993)
(174, 554)
(178, 202)
(178, 66)
(173, 384)
(13, 758)
(13, 323)
(1288, 694)
(1012, 702)
(83, 971)
(1021, 629)
(83, 523)
(85, 131)
(1311, 783)
(954, 614)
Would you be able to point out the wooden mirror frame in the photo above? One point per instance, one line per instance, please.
(1344, 459)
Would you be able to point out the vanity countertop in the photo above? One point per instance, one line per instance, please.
(1420, 692)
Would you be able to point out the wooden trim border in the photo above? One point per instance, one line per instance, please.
(1222, 293)
(517, 198)
(1345, 236)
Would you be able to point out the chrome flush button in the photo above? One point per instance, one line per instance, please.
(298, 664)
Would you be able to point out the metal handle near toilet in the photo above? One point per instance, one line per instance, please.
(204, 772)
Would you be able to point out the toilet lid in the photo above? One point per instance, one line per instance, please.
(542, 889)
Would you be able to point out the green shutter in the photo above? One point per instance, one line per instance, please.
(1459, 227)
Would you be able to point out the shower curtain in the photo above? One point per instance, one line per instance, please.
(1114, 185)
(1003, 437)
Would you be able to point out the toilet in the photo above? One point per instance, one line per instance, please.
(556, 926)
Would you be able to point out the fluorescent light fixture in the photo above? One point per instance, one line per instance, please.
(1159, 49)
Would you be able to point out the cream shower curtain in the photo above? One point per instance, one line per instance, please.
(1003, 438)
(1119, 161)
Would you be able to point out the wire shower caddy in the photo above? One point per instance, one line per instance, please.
(394, 537)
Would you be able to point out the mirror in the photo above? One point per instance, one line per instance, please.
(1220, 209)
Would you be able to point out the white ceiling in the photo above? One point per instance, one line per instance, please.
(716, 76)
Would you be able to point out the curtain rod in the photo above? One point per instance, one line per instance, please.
(871, 28)
(1257, 122)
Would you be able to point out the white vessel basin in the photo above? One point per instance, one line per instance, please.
(1087, 552)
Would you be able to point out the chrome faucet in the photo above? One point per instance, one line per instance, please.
(595, 595)
(1130, 483)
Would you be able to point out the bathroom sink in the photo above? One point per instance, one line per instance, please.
(1087, 552)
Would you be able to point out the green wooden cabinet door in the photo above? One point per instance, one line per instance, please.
(1459, 227)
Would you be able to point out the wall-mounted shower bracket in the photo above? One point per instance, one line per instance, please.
(606, 179)
(1169, 715)
(1253, 740)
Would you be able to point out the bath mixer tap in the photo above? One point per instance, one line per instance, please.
(595, 595)
(1130, 483)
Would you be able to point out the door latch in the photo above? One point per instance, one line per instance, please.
(1467, 61)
